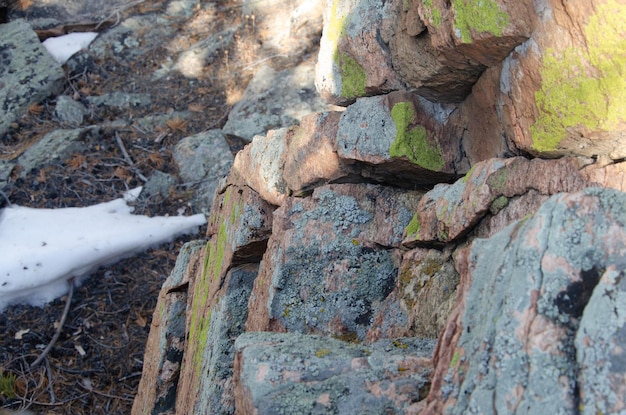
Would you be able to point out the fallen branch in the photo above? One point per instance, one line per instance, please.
(57, 333)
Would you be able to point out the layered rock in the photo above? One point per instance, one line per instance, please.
(521, 336)
(354, 237)
(28, 73)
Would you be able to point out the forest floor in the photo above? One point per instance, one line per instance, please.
(95, 365)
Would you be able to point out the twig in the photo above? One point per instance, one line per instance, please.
(127, 158)
(50, 389)
(106, 395)
(57, 333)
(6, 198)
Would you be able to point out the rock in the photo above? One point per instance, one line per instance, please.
(332, 259)
(310, 158)
(120, 100)
(260, 166)
(69, 111)
(275, 100)
(521, 335)
(288, 31)
(214, 390)
(166, 342)
(612, 175)
(28, 73)
(459, 43)
(399, 137)
(153, 123)
(159, 184)
(293, 373)
(450, 211)
(545, 87)
(53, 147)
(239, 227)
(202, 160)
(353, 61)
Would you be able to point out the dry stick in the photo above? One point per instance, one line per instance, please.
(130, 162)
(57, 333)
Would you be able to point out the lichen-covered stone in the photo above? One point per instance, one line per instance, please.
(399, 135)
(260, 166)
(298, 374)
(331, 260)
(275, 99)
(353, 61)
(214, 387)
(528, 309)
(239, 227)
(450, 211)
(55, 146)
(28, 73)
(202, 160)
(166, 343)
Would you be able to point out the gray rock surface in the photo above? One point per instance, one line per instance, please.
(331, 260)
(166, 343)
(298, 374)
(202, 160)
(53, 147)
(275, 99)
(521, 339)
(28, 73)
(70, 111)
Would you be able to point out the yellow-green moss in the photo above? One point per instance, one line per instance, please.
(7, 385)
(399, 344)
(584, 87)
(322, 352)
(432, 14)
(353, 76)
(412, 230)
(468, 174)
(455, 359)
(479, 16)
(413, 142)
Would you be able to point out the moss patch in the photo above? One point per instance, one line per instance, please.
(413, 228)
(584, 87)
(479, 16)
(353, 76)
(432, 13)
(413, 142)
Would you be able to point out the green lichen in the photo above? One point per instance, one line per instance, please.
(7, 385)
(497, 181)
(584, 87)
(455, 359)
(432, 13)
(478, 16)
(322, 352)
(468, 174)
(413, 228)
(353, 76)
(499, 204)
(413, 142)
(399, 344)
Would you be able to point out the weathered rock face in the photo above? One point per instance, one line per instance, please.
(332, 259)
(292, 373)
(357, 238)
(28, 73)
(521, 337)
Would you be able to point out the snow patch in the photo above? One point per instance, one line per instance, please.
(63, 47)
(43, 248)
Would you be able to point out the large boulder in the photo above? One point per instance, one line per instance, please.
(28, 73)
(526, 336)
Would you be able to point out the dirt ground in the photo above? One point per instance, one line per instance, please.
(95, 365)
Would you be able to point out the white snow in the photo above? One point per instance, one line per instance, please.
(40, 249)
(63, 47)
